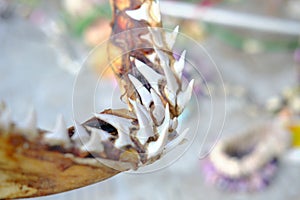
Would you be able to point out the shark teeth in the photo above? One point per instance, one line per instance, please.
(81, 136)
(141, 13)
(171, 80)
(179, 65)
(184, 96)
(28, 126)
(152, 58)
(145, 123)
(167, 119)
(155, 148)
(170, 96)
(177, 141)
(152, 76)
(171, 37)
(148, 11)
(164, 60)
(123, 140)
(172, 84)
(157, 37)
(95, 145)
(122, 125)
(143, 92)
(59, 135)
(158, 111)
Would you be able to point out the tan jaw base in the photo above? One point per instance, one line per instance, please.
(29, 170)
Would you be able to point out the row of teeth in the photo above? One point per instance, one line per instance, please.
(148, 127)
(177, 97)
(151, 121)
(92, 142)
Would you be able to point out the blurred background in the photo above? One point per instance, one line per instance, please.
(250, 53)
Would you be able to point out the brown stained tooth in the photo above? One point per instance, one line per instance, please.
(156, 147)
(123, 127)
(148, 11)
(179, 65)
(59, 136)
(155, 11)
(29, 126)
(143, 92)
(152, 57)
(171, 38)
(94, 145)
(145, 123)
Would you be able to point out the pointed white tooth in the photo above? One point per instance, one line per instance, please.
(143, 92)
(141, 13)
(29, 125)
(172, 84)
(155, 148)
(157, 37)
(147, 11)
(174, 143)
(123, 139)
(170, 96)
(140, 108)
(152, 76)
(94, 145)
(171, 80)
(164, 59)
(145, 123)
(81, 136)
(166, 120)
(60, 135)
(184, 96)
(179, 65)
(171, 37)
(159, 111)
(123, 127)
(5, 118)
